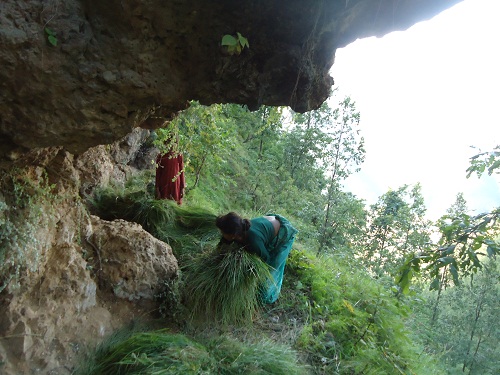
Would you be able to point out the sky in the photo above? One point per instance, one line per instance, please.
(426, 95)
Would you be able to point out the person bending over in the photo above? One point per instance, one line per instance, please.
(270, 237)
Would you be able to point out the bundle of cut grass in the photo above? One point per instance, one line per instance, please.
(148, 353)
(222, 286)
(165, 353)
(194, 222)
(135, 206)
(187, 229)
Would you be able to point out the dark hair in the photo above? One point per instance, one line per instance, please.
(232, 223)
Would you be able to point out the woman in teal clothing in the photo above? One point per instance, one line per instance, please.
(270, 237)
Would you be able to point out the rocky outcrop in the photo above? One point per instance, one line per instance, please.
(81, 73)
(79, 278)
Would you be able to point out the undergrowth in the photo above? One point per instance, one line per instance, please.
(188, 230)
(351, 323)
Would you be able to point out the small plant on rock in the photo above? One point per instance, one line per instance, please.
(234, 44)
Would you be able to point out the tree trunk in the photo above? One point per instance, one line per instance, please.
(479, 307)
(198, 172)
(441, 284)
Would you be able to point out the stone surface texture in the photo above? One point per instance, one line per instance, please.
(118, 65)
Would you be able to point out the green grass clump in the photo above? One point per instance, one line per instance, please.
(162, 352)
(255, 357)
(222, 286)
(353, 324)
(148, 353)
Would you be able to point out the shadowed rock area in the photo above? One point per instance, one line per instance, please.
(80, 73)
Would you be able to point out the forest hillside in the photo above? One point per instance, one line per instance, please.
(367, 289)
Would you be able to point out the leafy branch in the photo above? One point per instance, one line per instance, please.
(464, 240)
(483, 161)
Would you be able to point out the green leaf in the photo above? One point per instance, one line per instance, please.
(405, 279)
(229, 40)
(243, 41)
(446, 260)
(491, 251)
(449, 250)
(52, 40)
(434, 285)
(50, 32)
(494, 166)
(454, 273)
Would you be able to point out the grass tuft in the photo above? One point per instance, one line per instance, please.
(256, 357)
(156, 352)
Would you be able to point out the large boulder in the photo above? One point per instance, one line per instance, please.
(130, 261)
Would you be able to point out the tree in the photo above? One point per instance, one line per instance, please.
(466, 333)
(397, 227)
(464, 238)
(204, 135)
(344, 153)
(346, 223)
(263, 140)
(489, 160)
(458, 209)
(463, 241)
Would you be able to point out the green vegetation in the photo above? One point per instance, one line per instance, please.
(163, 352)
(222, 286)
(51, 36)
(460, 324)
(187, 230)
(25, 209)
(234, 44)
(341, 307)
(367, 290)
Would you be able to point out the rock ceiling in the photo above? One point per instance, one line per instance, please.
(78, 73)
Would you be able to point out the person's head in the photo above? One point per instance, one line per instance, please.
(233, 226)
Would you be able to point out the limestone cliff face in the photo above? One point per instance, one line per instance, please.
(110, 66)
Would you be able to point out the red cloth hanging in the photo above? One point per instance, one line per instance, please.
(170, 182)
